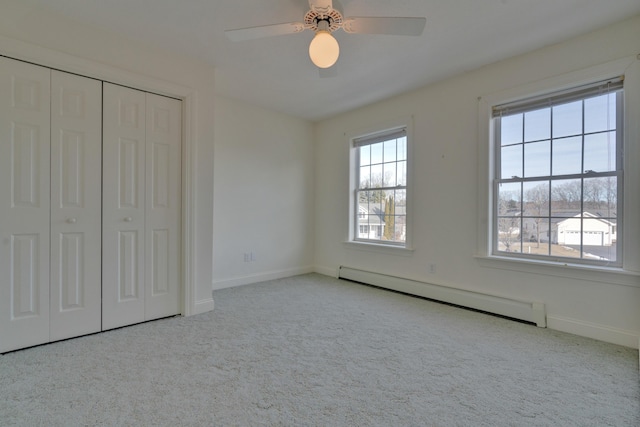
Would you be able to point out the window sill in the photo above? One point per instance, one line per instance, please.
(379, 248)
(608, 275)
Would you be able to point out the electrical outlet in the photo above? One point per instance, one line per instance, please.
(432, 268)
(252, 256)
(247, 257)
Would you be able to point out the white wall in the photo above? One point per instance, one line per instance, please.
(445, 179)
(53, 41)
(264, 194)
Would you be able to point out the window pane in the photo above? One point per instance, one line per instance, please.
(600, 113)
(376, 176)
(511, 161)
(389, 175)
(539, 248)
(376, 153)
(401, 200)
(536, 198)
(598, 239)
(389, 217)
(402, 174)
(601, 196)
(402, 148)
(368, 199)
(567, 156)
(376, 197)
(363, 198)
(509, 198)
(365, 155)
(365, 177)
(567, 119)
(376, 209)
(401, 228)
(536, 235)
(362, 221)
(511, 129)
(537, 159)
(566, 197)
(537, 125)
(509, 234)
(600, 152)
(389, 150)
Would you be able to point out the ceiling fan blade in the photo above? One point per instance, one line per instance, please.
(250, 33)
(384, 25)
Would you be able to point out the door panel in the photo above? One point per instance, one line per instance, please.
(123, 257)
(76, 150)
(128, 250)
(129, 173)
(24, 204)
(25, 277)
(71, 156)
(72, 260)
(163, 160)
(161, 262)
(26, 176)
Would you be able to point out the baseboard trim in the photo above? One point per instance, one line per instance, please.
(327, 271)
(203, 306)
(593, 330)
(261, 277)
(530, 311)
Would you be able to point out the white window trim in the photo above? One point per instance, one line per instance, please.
(398, 123)
(630, 270)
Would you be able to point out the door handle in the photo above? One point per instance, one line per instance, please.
(128, 219)
(71, 220)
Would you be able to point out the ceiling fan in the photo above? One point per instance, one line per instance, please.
(323, 19)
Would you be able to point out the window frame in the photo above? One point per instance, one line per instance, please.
(627, 274)
(385, 128)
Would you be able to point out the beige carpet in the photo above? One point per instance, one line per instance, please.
(315, 351)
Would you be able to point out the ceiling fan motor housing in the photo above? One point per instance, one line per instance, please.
(314, 20)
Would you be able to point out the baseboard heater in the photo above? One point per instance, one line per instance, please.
(533, 312)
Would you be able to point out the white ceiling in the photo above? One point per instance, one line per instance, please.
(276, 72)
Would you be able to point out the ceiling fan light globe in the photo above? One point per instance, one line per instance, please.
(324, 49)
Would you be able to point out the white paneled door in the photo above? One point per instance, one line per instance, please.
(76, 153)
(141, 206)
(123, 158)
(24, 204)
(162, 203)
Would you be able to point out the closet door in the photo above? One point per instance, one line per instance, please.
(123, 193)
(162, 224)
(24, 204)
(141, 206)
(76, 152)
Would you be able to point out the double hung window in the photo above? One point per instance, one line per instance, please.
(558, 175)
(380, 198)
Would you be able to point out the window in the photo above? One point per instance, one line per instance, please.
(558, 175)
(380, 197)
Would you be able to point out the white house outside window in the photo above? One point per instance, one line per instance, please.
(558, 175)
(380, 199)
